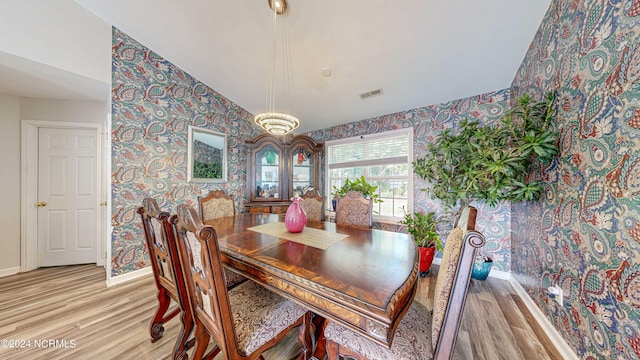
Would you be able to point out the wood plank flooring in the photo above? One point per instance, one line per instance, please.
(68, 313)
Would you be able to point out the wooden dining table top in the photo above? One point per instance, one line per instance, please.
(365, 281)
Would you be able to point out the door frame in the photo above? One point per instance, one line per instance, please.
(29, 190)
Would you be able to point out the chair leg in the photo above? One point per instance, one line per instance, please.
(182, 345)
(332, 351)
(304, 336)
(320, 345)
(202, 341)
(156, 329)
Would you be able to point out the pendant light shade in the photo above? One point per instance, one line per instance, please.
(272, 120)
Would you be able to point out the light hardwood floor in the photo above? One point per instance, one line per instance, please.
(72, 305)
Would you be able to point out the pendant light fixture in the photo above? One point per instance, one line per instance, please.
(280, 75)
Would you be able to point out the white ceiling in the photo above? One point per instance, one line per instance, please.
(420, 52)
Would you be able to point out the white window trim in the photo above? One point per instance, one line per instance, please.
(355, 139)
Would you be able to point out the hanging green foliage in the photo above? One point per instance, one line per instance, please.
(491, 163)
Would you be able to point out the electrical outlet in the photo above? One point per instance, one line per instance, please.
(557, 293)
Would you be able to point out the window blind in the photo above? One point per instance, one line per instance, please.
(367, 152)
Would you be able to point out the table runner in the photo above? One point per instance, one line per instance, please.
(320, 239)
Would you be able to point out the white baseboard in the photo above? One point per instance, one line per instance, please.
(128, 276)
(563, 348)
(498, 274)
(554, 336)
(9, 271)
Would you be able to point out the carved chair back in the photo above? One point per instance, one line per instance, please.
(204, 275)
(354, 210)
(163, 254)
(216, 204)
(201, 261)
(313, 205)
(452, 283)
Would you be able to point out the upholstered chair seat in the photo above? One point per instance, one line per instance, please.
(233, 279)
(411, 341)
(259, 315)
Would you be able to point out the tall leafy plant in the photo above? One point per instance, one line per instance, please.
(491, 163)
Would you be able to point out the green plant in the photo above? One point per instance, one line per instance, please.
(491, 163)
(202, 170)
(359, 184)
(423, 227)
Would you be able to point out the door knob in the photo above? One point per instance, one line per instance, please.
(41, 203)
(103, 203)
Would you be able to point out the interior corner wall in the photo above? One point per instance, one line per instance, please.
(10, 184)
(427, 122)
(584, 235)
(153, 104)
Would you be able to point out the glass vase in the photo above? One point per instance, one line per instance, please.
(295, 219)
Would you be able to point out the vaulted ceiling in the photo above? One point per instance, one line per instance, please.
(418, 52)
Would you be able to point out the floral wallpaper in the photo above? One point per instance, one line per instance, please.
(205, 153)
(585, 233)
(427, 122)
(153, 103)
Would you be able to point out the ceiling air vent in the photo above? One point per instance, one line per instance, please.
(371, 93)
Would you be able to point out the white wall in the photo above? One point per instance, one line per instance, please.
(12, 110)
(63, 110)
(61, 34)
(10, 184)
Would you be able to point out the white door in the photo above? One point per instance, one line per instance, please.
(67, 196)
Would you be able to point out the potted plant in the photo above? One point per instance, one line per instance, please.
(481, 267)
(359, 184)
(491, 163)
(424, 229)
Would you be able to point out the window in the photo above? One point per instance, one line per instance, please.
(385, 161)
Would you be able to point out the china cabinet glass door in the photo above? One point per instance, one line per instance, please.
(302, 161)
(267, 173)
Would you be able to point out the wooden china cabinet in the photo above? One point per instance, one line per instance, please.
(279, 167)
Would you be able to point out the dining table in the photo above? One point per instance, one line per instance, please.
(364, 279)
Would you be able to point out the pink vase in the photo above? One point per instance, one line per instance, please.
(295, 219)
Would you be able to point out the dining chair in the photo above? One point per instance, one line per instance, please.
(244, 321)
(217, 204)
(354, 210)
(313, 205)
(419, 334)
(163, 253)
